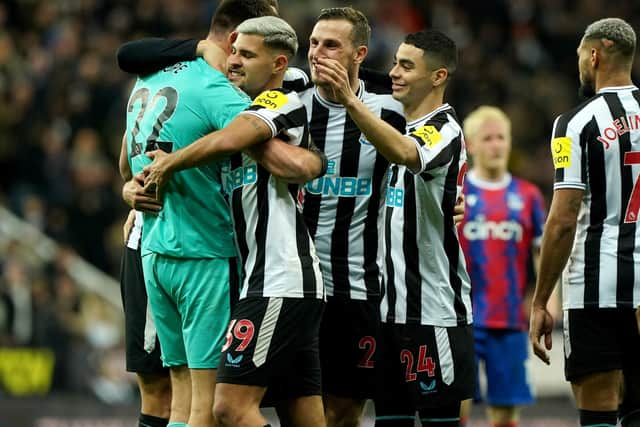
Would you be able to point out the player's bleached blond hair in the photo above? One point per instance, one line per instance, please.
(616, 30)
(277, 33)
(481, 115)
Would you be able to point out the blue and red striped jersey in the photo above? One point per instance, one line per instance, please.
(503, 222)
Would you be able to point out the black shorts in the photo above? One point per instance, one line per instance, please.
(348, 347)
(423, 367)
(141, 341)
(600, 340)
(273, 343)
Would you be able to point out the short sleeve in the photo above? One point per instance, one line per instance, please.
(280, 110)
(436, 147)
(566, 152)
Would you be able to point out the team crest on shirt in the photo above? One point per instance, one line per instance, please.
(561, 152)
(429, 135)
(271, 99)
(514, 202)
(471, 199)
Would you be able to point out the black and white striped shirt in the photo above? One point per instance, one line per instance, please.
(342, 208)
(135, 234)
(425, 279)
(596, 148)
(278, 255)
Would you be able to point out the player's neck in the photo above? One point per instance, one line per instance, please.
(415, 109)
(489, 175)
(613, 79)
(274, 83)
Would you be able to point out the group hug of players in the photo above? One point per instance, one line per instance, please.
(296, 233)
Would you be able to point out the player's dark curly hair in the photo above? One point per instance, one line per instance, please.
(440, 49)
(231, 13)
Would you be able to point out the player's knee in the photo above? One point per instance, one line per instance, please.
(227, 414)
(344, 418)
(155, 393)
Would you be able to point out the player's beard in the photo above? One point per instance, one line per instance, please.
(587, 90)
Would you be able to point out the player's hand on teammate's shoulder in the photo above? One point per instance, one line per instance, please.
(337, 77)
(134, 195)
(213, 55)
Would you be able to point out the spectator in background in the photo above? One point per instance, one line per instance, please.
(500, 236)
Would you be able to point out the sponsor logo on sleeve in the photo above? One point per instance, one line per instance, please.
(429, 135)
(561, 152)
(271, 99)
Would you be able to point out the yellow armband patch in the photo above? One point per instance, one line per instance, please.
(561, 152)
(429, 135)
(271, 99)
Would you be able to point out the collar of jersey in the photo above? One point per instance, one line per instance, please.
(617, 88)
(427, 116)
(488, 185)
(328, 103)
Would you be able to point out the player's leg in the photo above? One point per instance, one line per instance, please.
(446, 415)
(202, 287)
(181, 394)
(629, 411)
(443, 372)
(392, 404)
(168, 325)
(238, 405)
(300, 389)
(155, 397)
(479, 344)
(596, 381)
(348, 344)
(141, 344)
(271, 342)
(506, 354)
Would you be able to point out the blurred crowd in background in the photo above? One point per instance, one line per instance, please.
(62, 114)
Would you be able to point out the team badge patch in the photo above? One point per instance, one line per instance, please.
(561, 152)
(271, 99)
(429, 135)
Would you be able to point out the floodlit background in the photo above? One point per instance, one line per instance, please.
(61, 123)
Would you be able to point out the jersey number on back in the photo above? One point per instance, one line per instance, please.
(152, 143)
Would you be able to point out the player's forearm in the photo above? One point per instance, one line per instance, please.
(152, 54)
(289, 163)
(394, 146)
(123, 161)
(557, 243)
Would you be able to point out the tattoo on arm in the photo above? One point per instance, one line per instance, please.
(252, 120)
(574, 204)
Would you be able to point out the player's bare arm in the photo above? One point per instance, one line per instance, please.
(136, 197)
(394, 146)
(557, 242)
(244, 132)
(132, 191)
(288, 162)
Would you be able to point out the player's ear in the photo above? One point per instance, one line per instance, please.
(280, 63)
(439, 76)
(233, 35)
(360, 53)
